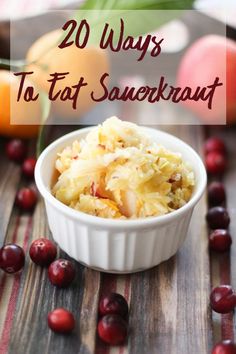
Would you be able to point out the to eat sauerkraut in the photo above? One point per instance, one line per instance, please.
(118, 172)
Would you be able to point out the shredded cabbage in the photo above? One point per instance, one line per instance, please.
(118, 172)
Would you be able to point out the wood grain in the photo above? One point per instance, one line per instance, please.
(169, 304)
(88, 315)
(230, 183)
(173, 297)
(224, 266)
(37, 296)
(9, 180)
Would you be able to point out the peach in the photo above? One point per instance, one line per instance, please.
(46, 58)
(209, 57)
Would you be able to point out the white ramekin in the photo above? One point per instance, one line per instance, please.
(117, 246)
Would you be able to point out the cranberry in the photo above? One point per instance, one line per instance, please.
(16, 150)
(223, 299)
(43, 251)
(12, 258)
(220, 240)
(218, 218)
(112, 329)
(113, 304)
(61, 273)
(214, 144)
(215, 162)
(61, 321)
(216, 193)
(26, 198)
(224, 347)
(29, 166)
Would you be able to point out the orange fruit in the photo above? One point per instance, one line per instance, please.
(21, 111)
(90, 62)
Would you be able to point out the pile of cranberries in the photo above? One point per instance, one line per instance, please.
(217, 216)
(223, 297)
(43, 252)
(113, 308)
(16, 150)
(113, 325)
(215, 156)
(61, 273)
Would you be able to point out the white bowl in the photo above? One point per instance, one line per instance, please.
(111, 245)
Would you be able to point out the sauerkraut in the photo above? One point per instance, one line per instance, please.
(117, 171)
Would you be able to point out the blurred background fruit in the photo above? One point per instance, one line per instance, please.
(201, 63)
(90, 63)
(20, 112)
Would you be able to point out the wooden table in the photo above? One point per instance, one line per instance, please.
(169, 304)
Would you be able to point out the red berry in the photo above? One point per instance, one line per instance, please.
(61, 321)
(112, 329)
(216, 193)
(43, 251)
(220, 240)
(61, 273)
(218, 218)
(26, 198)
(224, 347)
(16, 150)
(12, 258)
(28, 167)
(113, 304)
(223, 299)
(215, 162)
(214, 144)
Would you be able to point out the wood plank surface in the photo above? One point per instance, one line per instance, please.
(230, 183)
(224, 266)
(37, 297)
(9, 180)
(173, 297)
(169, 304)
